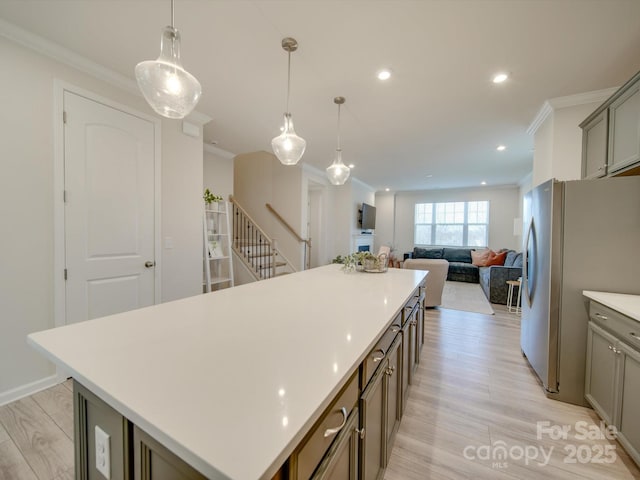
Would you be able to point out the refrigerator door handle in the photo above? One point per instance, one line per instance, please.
(525, 263)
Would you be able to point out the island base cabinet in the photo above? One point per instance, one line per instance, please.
(152, 461)
(629, 402)
(341, 462)
(372, 413)
(90, 412)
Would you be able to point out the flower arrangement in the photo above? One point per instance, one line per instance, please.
(367, 260)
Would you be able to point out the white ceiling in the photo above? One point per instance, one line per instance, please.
(438, 115)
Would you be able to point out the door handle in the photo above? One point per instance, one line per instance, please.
(149, 264)
(525, 263)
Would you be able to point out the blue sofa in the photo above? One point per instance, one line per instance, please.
(493, 279)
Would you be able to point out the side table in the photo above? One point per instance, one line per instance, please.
(511, 308)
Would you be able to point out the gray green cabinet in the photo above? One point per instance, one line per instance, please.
(624, 129)
(612, 382)
(611, 134)
(628, 402)
(594, 146)
(600, 381)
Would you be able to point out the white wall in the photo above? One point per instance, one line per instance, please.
(218, 173)
(385, 220)
(558, 137)
(182, 205)
(26, 199)
(503, 208)
(543, 152)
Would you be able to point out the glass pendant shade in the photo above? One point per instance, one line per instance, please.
(338, 172)
(170, 89)
(288, 146)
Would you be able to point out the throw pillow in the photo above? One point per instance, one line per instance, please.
(479, 257)
(511, 256)
(496, 259)
(517, 262)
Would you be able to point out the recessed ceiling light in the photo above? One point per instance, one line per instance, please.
(387, 189)
(501, 148)
(500, 77)
(351, 165)
(429, 175)
(384, 74)
(483, 183)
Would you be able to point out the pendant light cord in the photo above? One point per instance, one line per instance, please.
(339, 126)
(288, 81)
(172, 15)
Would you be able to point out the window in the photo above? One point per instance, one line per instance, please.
(463, 224)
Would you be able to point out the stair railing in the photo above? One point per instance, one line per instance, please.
(253, 246)
(306, 241)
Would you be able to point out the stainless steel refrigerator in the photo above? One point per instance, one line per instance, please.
(578, 235)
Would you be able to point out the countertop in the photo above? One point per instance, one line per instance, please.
(628, 305)
(231, 381)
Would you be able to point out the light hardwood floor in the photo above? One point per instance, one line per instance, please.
(473, 391)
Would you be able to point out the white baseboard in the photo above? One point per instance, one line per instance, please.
(28, 389)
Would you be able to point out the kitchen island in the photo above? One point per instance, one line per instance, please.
(233, 382)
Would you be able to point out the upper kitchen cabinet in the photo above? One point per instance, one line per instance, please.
(594, 147)
(611, 135)
(624, 130)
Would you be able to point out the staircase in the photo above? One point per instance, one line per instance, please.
(255, 249)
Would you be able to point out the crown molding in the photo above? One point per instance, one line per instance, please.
(218, 152)
(582, 98)
(68, 57)
(552, 104)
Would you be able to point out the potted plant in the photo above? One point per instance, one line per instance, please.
(210, 198)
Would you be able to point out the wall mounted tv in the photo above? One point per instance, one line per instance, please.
(368, 217)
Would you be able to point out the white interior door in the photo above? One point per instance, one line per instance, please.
(109, 210)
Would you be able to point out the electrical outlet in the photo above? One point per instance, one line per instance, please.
(103, 453)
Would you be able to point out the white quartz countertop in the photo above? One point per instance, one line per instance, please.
(628, 305)
(231, 381)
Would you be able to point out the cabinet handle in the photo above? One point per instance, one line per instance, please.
(634, 335)
(149, 264)
(390, 370)
(395, 329)
(601, 317)
(377, 359)
(413, 322)
(332, 431)
(360, 432)
(610, 347)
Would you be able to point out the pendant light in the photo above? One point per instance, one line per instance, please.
(338, 172)
(170, 89)
(288, 146)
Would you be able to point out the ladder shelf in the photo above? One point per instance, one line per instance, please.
(218, 264)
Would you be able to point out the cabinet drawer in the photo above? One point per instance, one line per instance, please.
(625, 328)
(377, 356)
(316, 444)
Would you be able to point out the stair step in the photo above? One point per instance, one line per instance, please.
(259, 255)
(277, 264)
